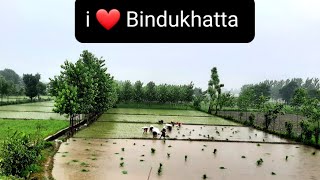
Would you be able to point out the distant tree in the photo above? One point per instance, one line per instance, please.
(226, 100)
(198, 97)
(31, 83)
(162, 93)
(245, 98)
(127, 91)
(255, 95)
(150, 92)
(314, 93)
(138, 92)
(4, 87)
(214, 90)
(299, 97)
(11, 75)
(288, 90)
(42, 89)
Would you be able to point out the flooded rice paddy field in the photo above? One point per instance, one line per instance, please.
(80, 158)
(134, 130)
(167, 112)
(166, 118)
(219, 150)
(38, 111)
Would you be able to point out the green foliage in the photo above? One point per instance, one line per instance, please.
(299, 97)
(31, 85)
(226, 99)
(311, 109)
(150, 92)
(271, 112)
(289, 128)
(288, 90)
(84, 87)
(14, 81)
(251, 119)
(5, 87)
(138, 92)
(19, 154)
(214, 90)
(253, 96)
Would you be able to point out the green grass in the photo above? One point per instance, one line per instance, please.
(155, 118)
(48, 127)
(157, 112)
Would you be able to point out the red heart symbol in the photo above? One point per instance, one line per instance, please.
(108, 20)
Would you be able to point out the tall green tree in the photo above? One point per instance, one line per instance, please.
(31, 83)
(288, 90)
(4, 87)
(138, 92)
(214, 90)
(42, 89)
(226, 100)
(299, 98)
(150, 92)
(84, 87)
(127, 91)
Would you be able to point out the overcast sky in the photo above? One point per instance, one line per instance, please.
(37, 36)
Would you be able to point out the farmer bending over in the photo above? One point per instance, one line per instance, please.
(163, 133)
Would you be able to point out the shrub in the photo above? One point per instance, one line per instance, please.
(19, 155)
(289, 128)
(251, 119)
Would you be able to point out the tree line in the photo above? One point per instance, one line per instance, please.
(11, 84)
(151, 93)
(83, 87)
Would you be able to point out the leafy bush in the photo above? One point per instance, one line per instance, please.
(19, 155)
(251, 119)
(289, 128)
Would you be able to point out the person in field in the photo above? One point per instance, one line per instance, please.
(163, 133)
(145, 129)
(151, 128)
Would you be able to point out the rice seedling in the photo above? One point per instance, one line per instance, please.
(214, 151)
(124, 172)
(84, 170)
(75, 160)
(185, 157)
(160, 169)
(204, 176)
(122, 149)
(121, 158)
(259, 162)
(243, 157)
(222, 167)
(121, 164)
(84, 164)
(273, 173)
(153, 150)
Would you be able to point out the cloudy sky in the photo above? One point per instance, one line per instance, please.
(38, 36)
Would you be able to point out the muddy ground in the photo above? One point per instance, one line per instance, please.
(80, 158)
